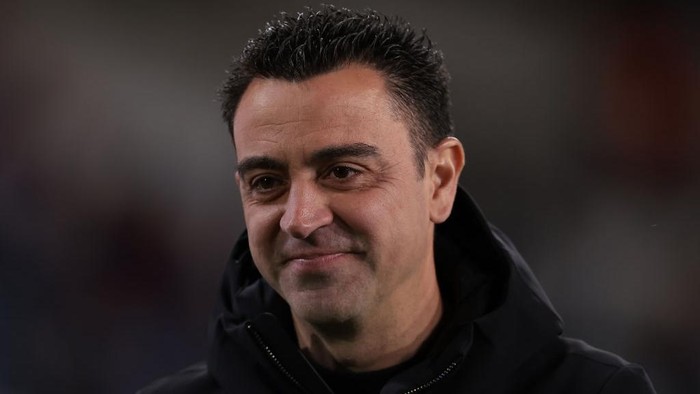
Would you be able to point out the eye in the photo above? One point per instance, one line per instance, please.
(343, 172)
(264, 183)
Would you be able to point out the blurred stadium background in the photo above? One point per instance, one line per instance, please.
(118, 207)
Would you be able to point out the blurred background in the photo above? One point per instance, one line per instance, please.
(118, 207)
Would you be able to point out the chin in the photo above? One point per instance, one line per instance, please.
(338, 324)
(325, 311)
(330, 301)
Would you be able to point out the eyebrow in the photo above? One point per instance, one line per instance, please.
(350, 150)
(259, 162)
(320, 156)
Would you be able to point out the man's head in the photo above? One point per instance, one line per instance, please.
(296, 48)
(338, 222)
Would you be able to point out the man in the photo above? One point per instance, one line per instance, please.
(365, 268)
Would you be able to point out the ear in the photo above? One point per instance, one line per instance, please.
(445, 162)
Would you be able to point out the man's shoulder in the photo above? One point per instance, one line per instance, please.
(193, 379)
(610, 372)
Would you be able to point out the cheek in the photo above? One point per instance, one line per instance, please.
(262, 226)
(261, 219)
(385, 220)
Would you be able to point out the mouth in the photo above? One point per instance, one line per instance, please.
(321, 262)
(320, 265)
(318, 258)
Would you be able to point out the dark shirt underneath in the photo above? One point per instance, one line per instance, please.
(345, 382)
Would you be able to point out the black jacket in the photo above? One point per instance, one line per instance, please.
(500, 333)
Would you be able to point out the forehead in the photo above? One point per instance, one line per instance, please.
(340, 106)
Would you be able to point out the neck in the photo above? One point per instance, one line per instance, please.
(385, 338)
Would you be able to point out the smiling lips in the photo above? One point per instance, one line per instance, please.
(316, 262)
(316, 257)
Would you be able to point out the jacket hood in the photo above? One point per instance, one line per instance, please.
(520, 328)
(490, 291)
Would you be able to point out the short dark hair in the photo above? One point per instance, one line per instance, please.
(314, 42)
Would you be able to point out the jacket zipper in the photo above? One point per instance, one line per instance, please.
(436, 379)
(272, 356)
(289, 376)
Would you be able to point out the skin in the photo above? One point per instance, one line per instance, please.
(339, 222)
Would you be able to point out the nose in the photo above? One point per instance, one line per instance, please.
(305, 211)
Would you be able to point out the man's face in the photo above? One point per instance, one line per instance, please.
(338, 219)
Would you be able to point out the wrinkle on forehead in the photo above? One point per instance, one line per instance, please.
(316, 91)
(309, 110)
